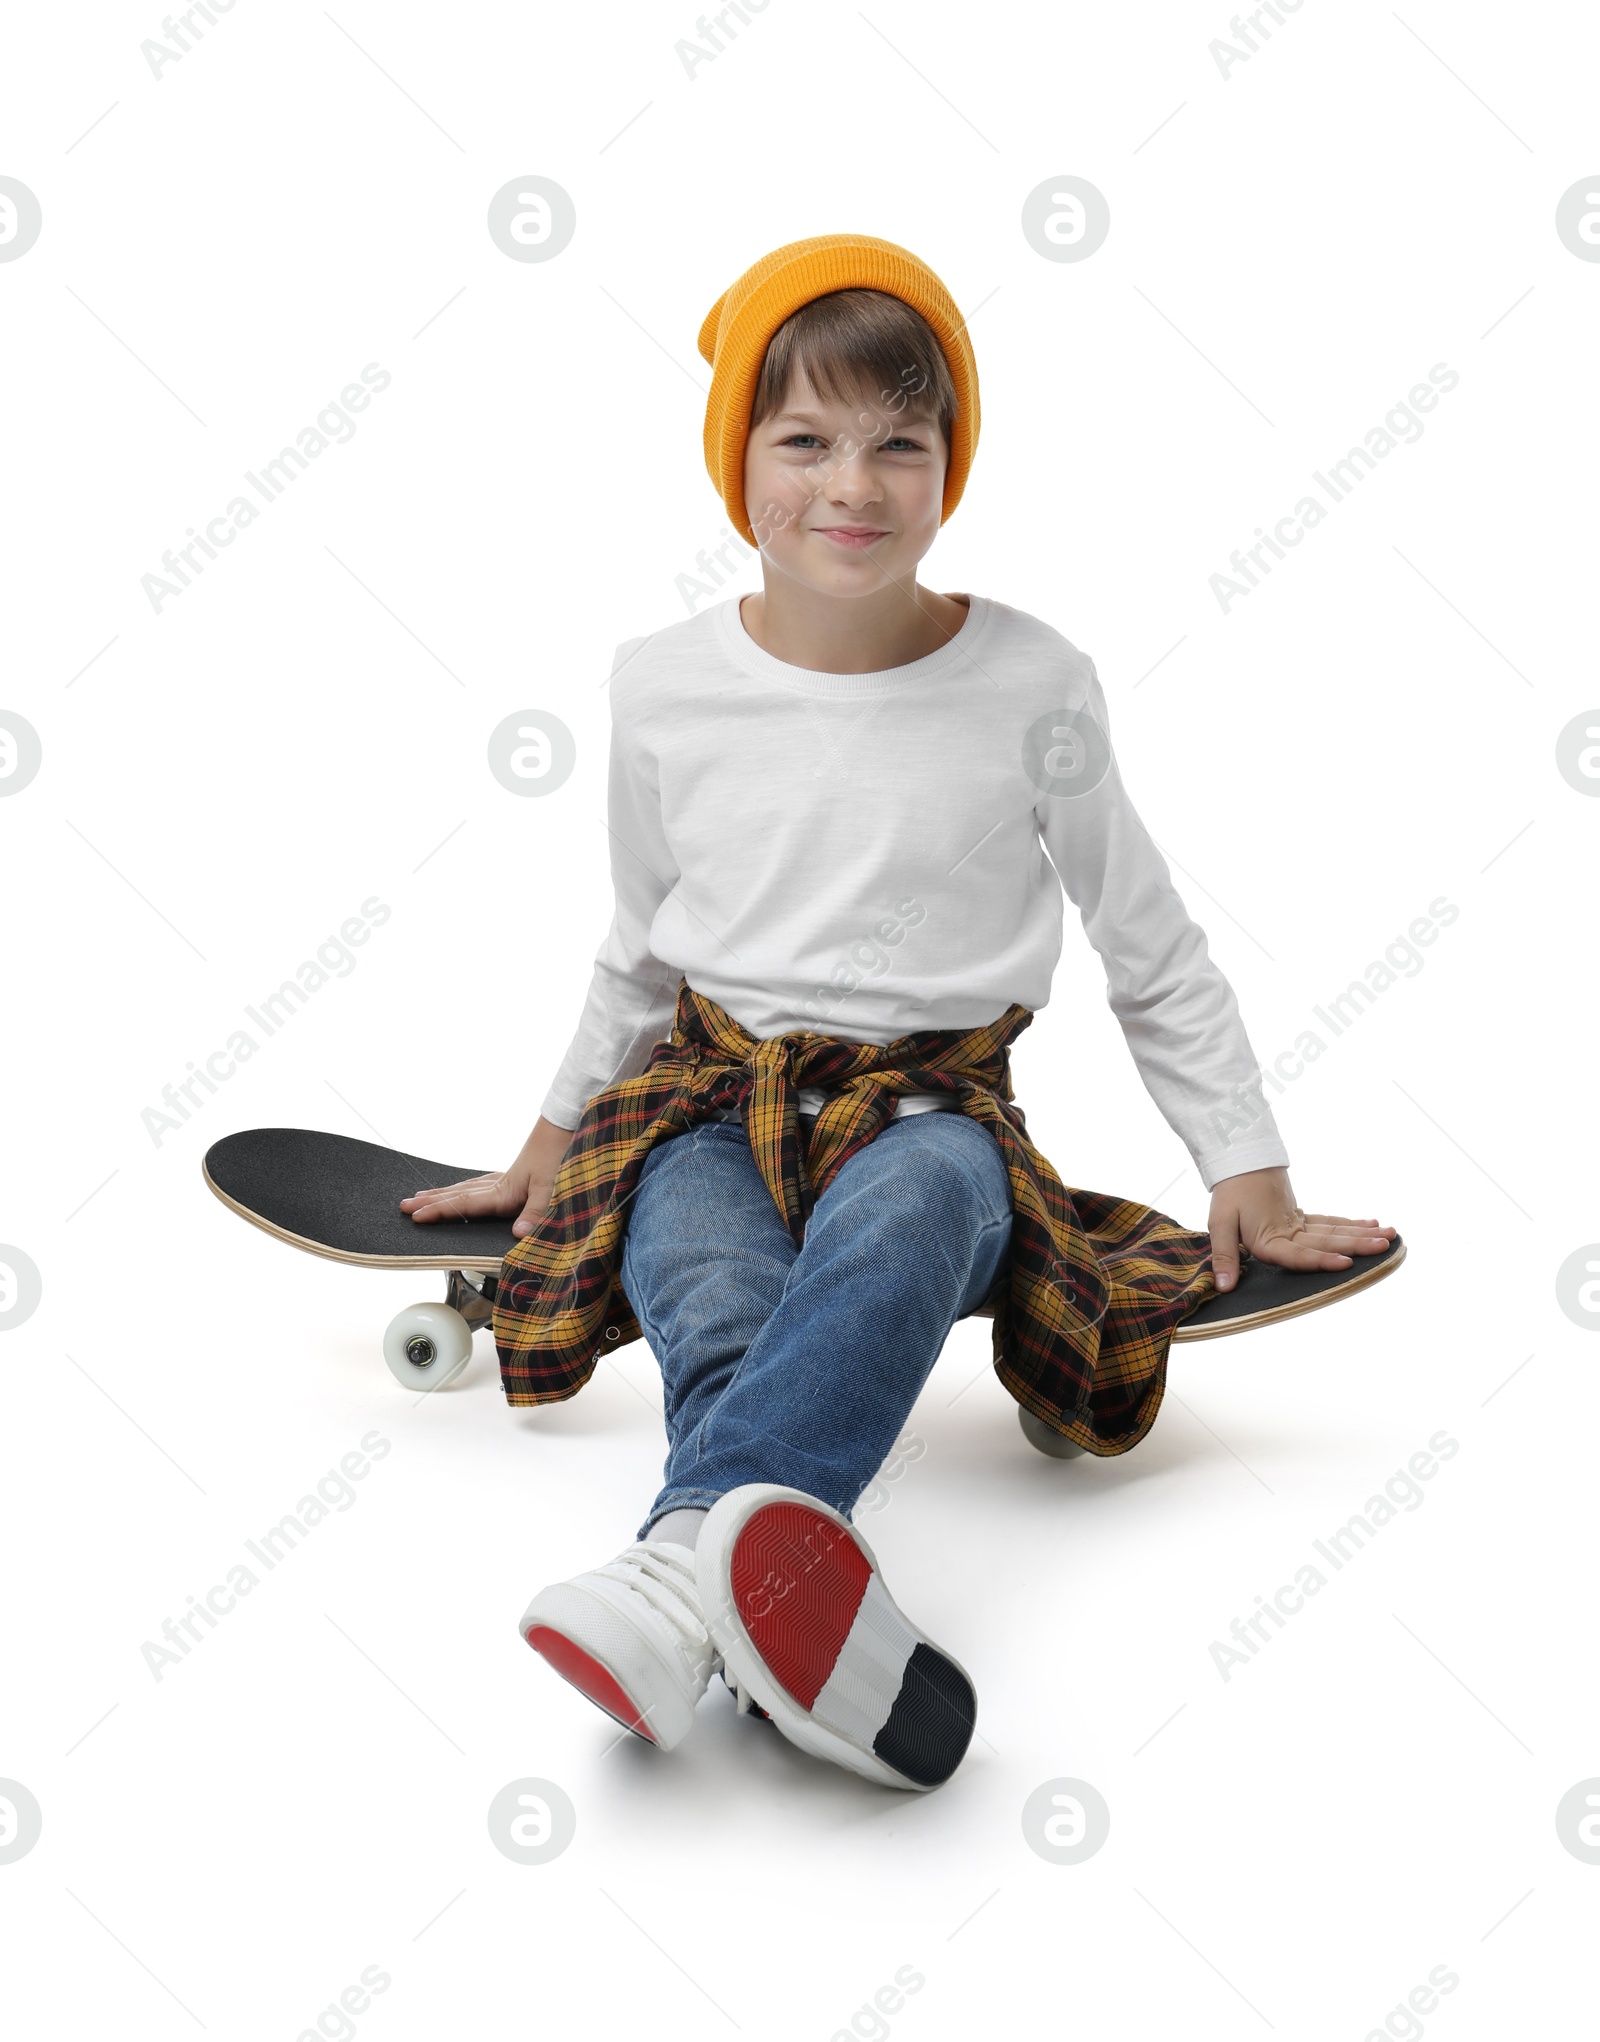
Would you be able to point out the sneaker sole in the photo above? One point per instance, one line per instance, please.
(798, 1609)
(588, 1676)
(593, 1650)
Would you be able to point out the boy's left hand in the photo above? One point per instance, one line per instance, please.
(1257, 1212)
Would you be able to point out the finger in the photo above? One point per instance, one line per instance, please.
(438, 1190)
(1225, 1251)
(531, 1214)
(1297, 1254)
(1335, 1219)
(461, 1202)
(425, 1211)
(1343, 1240)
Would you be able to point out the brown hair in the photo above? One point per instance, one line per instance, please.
(860, 343)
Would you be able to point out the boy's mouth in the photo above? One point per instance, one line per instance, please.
(850, 535)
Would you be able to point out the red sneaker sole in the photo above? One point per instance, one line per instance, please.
(797, 1580)
(588, 1676)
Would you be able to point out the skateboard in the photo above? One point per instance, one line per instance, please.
(340, 1198)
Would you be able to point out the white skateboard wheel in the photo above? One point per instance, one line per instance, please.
(427, 1346)
(1045, 1437)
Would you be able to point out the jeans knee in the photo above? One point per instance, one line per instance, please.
(962, 1173)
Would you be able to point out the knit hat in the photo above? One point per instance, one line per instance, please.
(735, 333)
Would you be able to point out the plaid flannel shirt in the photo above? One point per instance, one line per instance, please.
(1084, 1306)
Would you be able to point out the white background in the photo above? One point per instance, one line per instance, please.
(223, 783)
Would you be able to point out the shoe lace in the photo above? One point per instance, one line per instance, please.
(664, 1575)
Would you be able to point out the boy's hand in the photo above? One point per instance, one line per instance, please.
(1257, 1212)
(520, 1194)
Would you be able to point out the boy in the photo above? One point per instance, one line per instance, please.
(795, 1156)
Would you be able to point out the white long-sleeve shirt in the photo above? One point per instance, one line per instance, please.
(865, 855)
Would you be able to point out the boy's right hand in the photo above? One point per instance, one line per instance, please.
(520, 1193)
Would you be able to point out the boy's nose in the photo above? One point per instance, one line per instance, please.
(848, 480)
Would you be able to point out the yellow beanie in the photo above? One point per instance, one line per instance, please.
(735, 333)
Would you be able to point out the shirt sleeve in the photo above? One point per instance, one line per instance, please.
(632, 995)
(1176, 1010)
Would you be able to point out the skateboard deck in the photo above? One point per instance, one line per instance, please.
(1265, 1293)
(338, 1197)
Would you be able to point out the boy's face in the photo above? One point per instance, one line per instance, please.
(845, 496)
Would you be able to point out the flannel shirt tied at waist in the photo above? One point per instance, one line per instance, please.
(1084, 1306)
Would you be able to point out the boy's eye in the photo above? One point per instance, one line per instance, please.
(900, 442)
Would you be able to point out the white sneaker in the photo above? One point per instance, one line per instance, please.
(796, 1607)
(630, 1635)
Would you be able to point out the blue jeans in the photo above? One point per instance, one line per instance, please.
(799, 1365)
